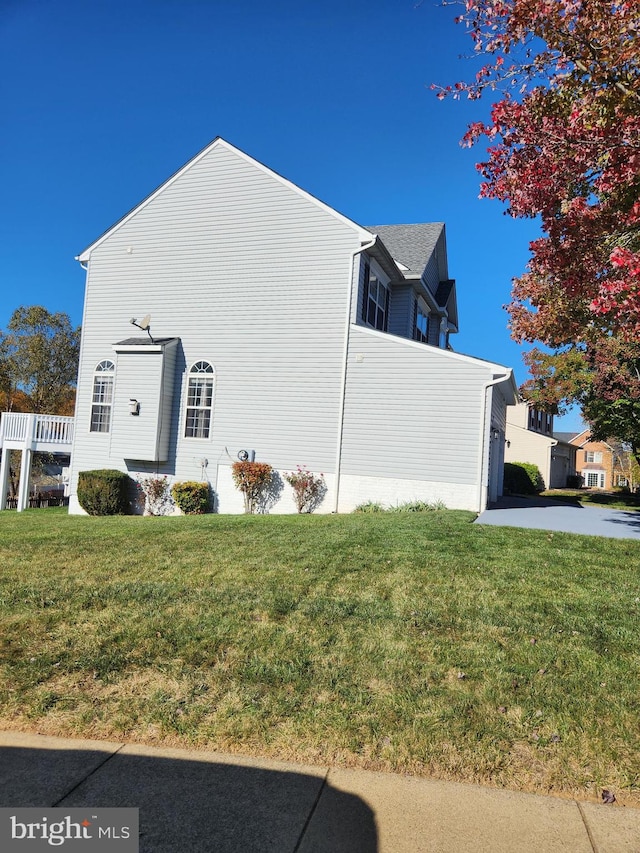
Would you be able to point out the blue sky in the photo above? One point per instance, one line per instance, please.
(102, 101)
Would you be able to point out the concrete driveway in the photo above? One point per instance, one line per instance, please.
(546, 514)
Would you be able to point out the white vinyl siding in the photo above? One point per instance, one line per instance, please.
(255, 275)
(411, 412)
(146, 375)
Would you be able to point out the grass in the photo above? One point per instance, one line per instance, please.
(412, 642)
(614, 500)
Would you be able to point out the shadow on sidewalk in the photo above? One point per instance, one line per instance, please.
(194, 805)
(532, 502)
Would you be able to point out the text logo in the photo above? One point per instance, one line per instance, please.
(33, 829)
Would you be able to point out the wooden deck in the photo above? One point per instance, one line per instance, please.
(29, 433)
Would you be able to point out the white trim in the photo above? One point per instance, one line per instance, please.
(218, 142)
(506, 372)
(354, 281)
(111, 372)
(185, 398)
(137, 348)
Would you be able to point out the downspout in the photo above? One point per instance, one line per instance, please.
(485, 427)
(554, 443)
(345, 356)
(76, 411)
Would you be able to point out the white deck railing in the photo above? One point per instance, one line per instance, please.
(32, 431)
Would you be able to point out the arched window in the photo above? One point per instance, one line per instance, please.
(199, 400)
(102, 398)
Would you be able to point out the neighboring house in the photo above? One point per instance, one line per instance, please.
(281, 328)
(530, 438)
(597, 463)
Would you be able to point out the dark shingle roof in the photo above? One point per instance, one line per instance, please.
(565, 436)
(411, 245)
(143, 342)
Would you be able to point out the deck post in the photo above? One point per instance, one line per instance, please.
(4, 477)
(25, 479)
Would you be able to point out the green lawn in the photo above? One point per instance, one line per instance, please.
(414, 642)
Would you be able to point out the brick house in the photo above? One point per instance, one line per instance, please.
(594, 461)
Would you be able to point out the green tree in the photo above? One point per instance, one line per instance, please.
(39, 355)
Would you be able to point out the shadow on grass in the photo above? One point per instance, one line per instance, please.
(186, 804)
(532, 502)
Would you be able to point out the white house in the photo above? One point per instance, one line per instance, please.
(281, 327)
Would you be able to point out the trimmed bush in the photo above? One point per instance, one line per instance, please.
(191, 497)
(575, 481)
(253, 479)
(522, 478)
(104, 492)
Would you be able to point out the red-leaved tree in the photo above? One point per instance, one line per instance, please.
(564, 146)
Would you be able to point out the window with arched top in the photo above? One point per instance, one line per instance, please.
(102, 397)
(199, 401)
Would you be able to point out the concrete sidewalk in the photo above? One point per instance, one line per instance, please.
(207, 801)
(547, 514)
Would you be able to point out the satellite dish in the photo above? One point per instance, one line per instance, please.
(143, 324)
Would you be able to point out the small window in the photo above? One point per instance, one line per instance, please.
(366, 270)
(102, 397)
(375, 299)
(421, 331)
(594, 455)
(377, 303)
(199, 401)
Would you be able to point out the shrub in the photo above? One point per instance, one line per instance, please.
(253, 479)
(308, 490)
(575, 481)
(369, 506)
(522, 478)
(417, 506)
(407, 506)
(192, 497)
(156, 493)
(104, 492)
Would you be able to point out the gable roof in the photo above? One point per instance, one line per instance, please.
(565, 437)
(410, 245)
(219, 142)
(581, 438)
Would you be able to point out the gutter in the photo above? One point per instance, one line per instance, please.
(485, 427)
(345, 356)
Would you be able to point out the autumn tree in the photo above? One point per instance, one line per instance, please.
(39, 355)
(564, 146)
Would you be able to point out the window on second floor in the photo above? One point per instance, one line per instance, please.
(199, 401)
(421, 330)
(593, 455)
(375, 303)
(102, 397)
